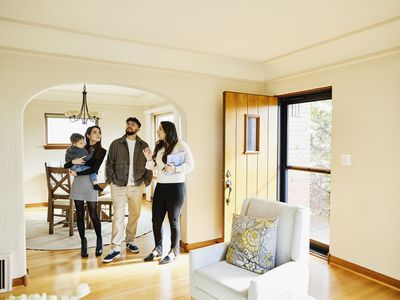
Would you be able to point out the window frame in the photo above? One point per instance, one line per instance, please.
(55, 146)
(155, 116)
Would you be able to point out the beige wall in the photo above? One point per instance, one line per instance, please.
(112, 125)
(198, 98)
(365, 199)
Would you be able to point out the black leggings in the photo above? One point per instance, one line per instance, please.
(80, 217)
(168, 198)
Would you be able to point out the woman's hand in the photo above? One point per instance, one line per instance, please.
(73, 173)
(169, 169)
(79, 160)
(148, 153)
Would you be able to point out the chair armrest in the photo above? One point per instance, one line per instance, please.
(280, 282)
(202, 257)
(207, 255)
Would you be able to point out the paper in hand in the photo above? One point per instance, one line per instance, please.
(176, 159)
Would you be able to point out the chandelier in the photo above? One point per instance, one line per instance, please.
(83, 114)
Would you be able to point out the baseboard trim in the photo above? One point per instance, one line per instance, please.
(24, 280)
(29, 205)
(187, 247)
(392, 282)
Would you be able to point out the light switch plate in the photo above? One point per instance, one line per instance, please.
(345, 159)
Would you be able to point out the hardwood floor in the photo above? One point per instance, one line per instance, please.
(60, 272)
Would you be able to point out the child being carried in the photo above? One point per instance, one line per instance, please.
(77, 150)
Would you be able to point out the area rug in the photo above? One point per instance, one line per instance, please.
(38, 237)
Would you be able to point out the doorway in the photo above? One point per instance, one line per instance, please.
(46, 136)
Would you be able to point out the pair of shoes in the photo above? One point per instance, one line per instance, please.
(152, 256)
(132, 247)
(84, 252)
(112, 254)
(99, 246)
(168, 259)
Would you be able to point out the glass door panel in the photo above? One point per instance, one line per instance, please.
(312, 190)
(307, 167)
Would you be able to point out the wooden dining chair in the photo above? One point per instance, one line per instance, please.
(104, 205)
(59, 187)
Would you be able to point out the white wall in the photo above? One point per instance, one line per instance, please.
(198, 98)
(365, 198)
(112, 126)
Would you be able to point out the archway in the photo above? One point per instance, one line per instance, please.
(115, 102)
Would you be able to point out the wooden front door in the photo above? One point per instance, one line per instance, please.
(250, 151)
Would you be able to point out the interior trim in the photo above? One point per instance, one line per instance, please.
(38, 204)
(392, 282)
(187, 247)
(23, 280)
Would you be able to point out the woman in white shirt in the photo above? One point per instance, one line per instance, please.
(172, 159)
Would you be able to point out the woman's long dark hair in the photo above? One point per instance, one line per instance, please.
(96, 147)
(171, 139)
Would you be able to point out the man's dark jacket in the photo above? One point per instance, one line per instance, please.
(117, 168)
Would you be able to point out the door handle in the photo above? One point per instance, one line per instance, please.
(228, 185)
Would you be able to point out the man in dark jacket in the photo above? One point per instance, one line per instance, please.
(127, 176)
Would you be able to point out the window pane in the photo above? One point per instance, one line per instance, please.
(312, 190)
(60, 129)
(163, 117)
(309, 134)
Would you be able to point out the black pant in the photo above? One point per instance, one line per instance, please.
(80, 217)
(168, 198)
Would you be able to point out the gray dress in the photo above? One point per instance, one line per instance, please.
(82, 189)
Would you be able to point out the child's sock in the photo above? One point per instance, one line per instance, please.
(97, 187)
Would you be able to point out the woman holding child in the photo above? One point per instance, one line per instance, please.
(83, 187)
(173, 159)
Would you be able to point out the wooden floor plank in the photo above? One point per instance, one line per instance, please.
(60, 272)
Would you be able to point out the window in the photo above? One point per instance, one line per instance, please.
(59, 128)
(158, 118)
(305, 154)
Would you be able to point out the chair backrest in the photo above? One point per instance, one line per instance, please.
(58, 182)
(293, 227)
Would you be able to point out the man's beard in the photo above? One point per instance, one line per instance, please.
(130, 132)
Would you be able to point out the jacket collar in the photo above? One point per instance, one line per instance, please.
(123, 139)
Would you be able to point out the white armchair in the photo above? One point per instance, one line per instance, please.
(211, 277)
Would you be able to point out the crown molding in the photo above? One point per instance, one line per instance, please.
(33, 38)
(38, 38)
(378, 38)
(337, 65)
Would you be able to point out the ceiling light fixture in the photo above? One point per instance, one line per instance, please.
(84, 115)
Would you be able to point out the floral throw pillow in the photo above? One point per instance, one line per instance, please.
(253, 243)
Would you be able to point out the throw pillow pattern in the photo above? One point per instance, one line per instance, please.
(253, 243)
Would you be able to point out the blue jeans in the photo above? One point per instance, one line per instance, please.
(80, 168)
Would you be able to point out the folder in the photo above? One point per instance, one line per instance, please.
(176, 159)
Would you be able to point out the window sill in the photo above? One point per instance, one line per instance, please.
(56, 146)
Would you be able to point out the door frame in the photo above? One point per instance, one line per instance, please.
(284, 101)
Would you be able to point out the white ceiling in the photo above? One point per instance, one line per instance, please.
(100, 95)
(255, 31)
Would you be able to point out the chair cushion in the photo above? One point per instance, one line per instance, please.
(289, 222)
(253, 243)
(224, 281)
